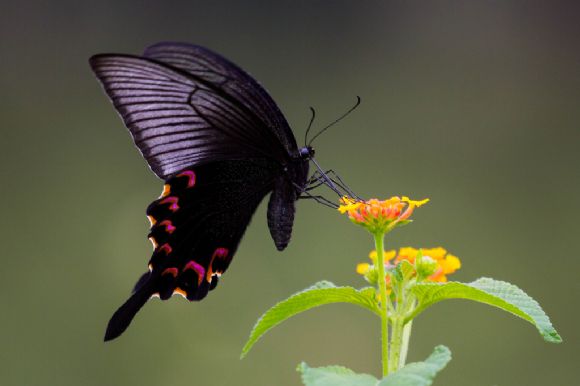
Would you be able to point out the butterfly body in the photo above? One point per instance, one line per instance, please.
(221, 144)
(281, 207)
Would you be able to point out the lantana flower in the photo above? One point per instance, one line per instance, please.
(436, 261)
(379, 216)
(446, 262)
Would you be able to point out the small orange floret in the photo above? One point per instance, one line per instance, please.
(407, 253)
(348, 204)
(362, 268)
(387, 255)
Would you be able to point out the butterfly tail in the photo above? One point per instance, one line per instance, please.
(122, 318)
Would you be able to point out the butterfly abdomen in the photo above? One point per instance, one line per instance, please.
(281, 209)
(282, 204)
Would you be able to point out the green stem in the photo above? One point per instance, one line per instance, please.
(396, 344)
(405, 347)
(379, 241)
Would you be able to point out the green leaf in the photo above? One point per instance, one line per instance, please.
(496, 293)
(419, 373)
(334, 376)
(323, 292)
(414, 374)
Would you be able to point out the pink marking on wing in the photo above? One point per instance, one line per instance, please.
(197, 268)
(190, 174)
(220, 253)
(172, 201)
(170, 271)
(165, 248)
(169, 227)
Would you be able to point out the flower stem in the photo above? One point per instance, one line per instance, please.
(405, 347)
(379, 241)
(396, 344)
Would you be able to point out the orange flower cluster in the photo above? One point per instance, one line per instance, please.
(442, 263)
(379, 216)
(446, 263)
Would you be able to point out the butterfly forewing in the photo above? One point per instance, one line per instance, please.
(231, 79)
(177, 120)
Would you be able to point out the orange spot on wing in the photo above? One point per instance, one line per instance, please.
(166, 191)
(179, 291)
(151, 219)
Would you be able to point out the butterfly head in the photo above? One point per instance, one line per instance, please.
(306, 153)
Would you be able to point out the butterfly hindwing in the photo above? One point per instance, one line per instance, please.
(196, 226)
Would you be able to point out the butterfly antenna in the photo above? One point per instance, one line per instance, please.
(309, 125)
(336, 120)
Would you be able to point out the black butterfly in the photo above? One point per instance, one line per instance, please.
(221, 144)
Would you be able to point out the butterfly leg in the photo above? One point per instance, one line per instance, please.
(314, 182)
(317, 180)
(338, 181)
(319, 199)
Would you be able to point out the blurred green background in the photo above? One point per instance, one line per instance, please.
(473, 104)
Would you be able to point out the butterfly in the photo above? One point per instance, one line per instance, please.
(221, 144)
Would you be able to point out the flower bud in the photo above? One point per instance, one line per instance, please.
(425, 266)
